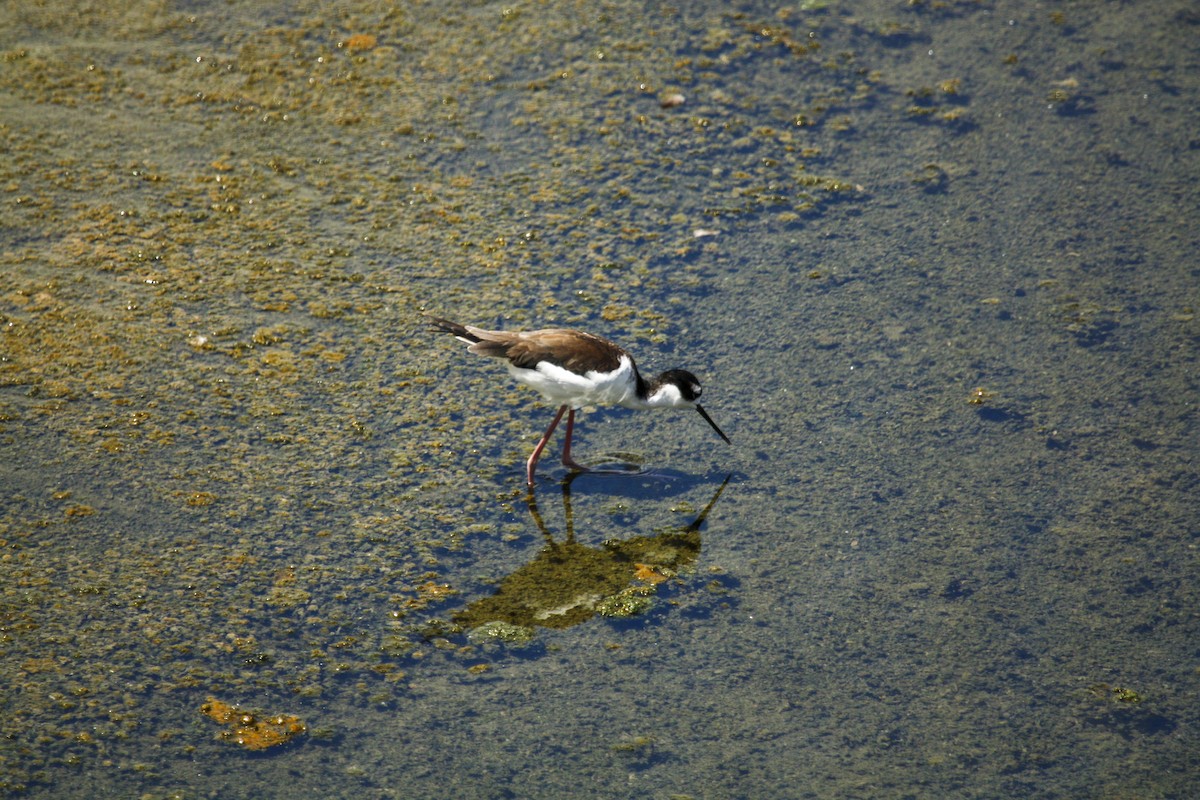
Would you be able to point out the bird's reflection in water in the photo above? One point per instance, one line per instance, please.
(570, 582)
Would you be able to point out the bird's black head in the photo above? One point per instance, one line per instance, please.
(688, 386)
(687, 383)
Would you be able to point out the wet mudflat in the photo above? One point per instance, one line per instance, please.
(932, 262)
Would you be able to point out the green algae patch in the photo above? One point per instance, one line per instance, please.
(501, 631)
(629, 602)
(569, 583)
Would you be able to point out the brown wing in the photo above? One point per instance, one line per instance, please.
(573, 350)
(570, 349)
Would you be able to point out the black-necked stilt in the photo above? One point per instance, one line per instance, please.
(573, 369)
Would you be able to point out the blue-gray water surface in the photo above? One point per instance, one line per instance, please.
(262, 534)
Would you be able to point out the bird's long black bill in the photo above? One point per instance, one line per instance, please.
(708, 419)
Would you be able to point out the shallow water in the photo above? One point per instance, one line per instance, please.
(933, 262)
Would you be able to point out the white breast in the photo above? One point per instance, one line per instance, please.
(563, 387)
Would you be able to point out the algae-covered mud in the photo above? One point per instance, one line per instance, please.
(262, 534)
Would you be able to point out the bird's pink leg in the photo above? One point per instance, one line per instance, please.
(566, 458)
(537, 451)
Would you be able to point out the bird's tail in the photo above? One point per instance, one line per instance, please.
(460, 332)
(482, 343)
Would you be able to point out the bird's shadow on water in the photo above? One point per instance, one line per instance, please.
(645, 484)
(623, 475)
(569, 581)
